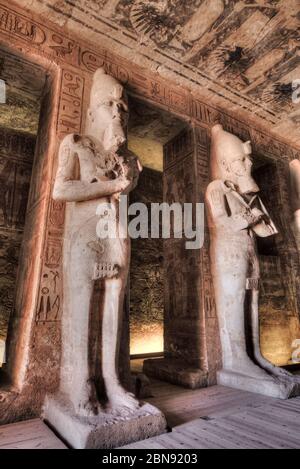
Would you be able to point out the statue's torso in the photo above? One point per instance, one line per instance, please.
(82, 218)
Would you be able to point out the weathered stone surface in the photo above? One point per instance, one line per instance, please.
(236, 216)
(70, 61)
(177, 372)
(240, 56)
(105, 430)
(107, 169)
(92, 196)
(16, 160)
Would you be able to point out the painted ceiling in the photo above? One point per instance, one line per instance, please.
(241, 55)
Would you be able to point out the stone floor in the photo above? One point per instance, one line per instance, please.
(32, 434)
(216, 418)
(223, 418)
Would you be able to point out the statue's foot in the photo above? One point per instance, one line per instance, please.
(293, 378)
(84, 407)
(276, 371)
(85, 401)
(122, 402)
(248, 368)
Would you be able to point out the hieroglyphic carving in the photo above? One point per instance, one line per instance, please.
(49, 43)
(178, 149)
(64, 49)
(19, 25)
(183, 267)
(49, 305)
(69, 114)
(69, 121)
(50, 297)
(17, 145)
(207, 302)
(15, 174)
(54, 253)
(57, 214)
(91, 62)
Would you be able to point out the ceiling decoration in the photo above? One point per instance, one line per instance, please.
(242, 54)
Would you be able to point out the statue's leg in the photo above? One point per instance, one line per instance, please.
(75, 373)
(229, 275)
(119, 399)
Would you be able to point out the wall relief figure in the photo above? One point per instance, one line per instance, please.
(237, 216)
(94, 169)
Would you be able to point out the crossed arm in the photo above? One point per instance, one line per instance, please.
(221, 213)
(68, 189)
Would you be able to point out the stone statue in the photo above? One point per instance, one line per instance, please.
(93, 170)
(295, 198)
(236, 216)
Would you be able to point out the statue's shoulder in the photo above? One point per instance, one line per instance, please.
(72, 143)
(70, 140)
(216, 185)
(78, 140)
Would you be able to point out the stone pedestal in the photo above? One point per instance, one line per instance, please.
(176, 372)
(272, 387)
(104, 430)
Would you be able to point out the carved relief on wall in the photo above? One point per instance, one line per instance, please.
(16, 155)
(48, 43)
(71, 97)
(50, 299)
(246, 50)
(65, 50)
(49, 307)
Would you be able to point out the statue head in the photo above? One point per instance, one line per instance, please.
(230, 160)
(108, 111)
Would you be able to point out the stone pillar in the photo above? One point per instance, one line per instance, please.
(191, 338)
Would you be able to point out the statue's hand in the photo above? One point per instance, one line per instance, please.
(132, 172)
(260, 216)
(121, 183)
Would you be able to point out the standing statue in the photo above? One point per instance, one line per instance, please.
(295, 198)
(93, 170)
(236, 216)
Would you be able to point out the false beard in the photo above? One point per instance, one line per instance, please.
(114, 136)
(247, 185)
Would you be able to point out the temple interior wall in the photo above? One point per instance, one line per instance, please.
(34, 354)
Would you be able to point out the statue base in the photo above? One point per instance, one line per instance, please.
(176, 372)
(103, 431)
(269, 386)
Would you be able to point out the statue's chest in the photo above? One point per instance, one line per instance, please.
(96, 165)
(235, 204)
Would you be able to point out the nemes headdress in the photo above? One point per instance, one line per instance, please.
(104, 86)
(225, 147)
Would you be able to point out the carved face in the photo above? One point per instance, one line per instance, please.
(108, 112)
(231, 161)
(239, 172)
